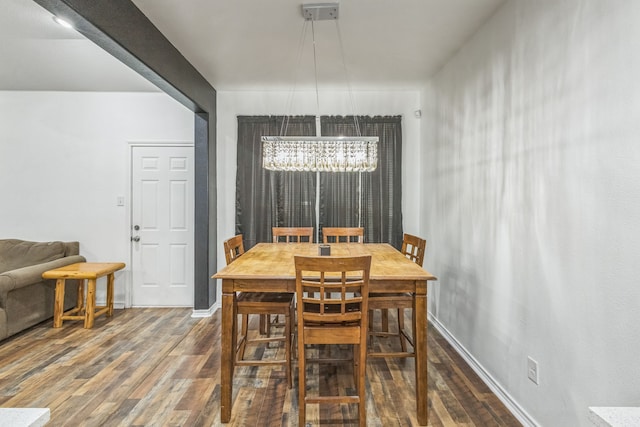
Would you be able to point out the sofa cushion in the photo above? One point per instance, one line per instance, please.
(16, 253)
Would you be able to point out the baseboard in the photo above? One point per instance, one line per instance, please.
(206, 313)
(495, 387)
(196, 313)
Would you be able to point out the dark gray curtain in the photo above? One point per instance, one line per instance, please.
(264, 198)
(381, 190)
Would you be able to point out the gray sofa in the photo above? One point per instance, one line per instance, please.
(25, 297)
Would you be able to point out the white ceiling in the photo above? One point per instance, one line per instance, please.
(249, 44)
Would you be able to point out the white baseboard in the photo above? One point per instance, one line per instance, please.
(206, 313)
(196, 313)
(495, 387)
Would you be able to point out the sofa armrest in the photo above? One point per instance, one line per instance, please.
(71, 248)
(25, 276)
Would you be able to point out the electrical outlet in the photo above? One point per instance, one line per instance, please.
(532, 370)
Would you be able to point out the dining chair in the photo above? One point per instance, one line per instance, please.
(413, 247)
(343, 235)
(292, 234)
(331, 304)
(285, 235)
(263, 304)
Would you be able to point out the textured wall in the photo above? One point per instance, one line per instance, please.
(531, 202)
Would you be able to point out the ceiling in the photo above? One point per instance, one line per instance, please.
(249, 44)
(38, 54)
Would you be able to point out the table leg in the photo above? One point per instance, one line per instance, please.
(228, 350)
(80, 300)
(91, 304)
(110, 280)
(58, 308)
(420, 328)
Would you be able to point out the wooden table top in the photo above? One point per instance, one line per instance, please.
(269, 261)
(84, 270)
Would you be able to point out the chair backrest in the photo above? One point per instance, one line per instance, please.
(413, 247)
(332, 290)
(343, 234)
(233, 248)
(292, 234)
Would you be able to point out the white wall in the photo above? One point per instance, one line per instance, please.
(531, 202)
(234, 103)
(64, 160)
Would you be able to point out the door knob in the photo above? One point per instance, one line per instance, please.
(135, 238)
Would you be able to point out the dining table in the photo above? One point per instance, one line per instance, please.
(269, 267)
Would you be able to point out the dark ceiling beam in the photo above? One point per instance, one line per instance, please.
(121, 29)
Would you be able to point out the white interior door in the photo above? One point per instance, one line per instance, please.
(162, 221)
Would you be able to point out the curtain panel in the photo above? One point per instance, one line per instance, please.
(378, 193)
(265, 198)
(372, 200)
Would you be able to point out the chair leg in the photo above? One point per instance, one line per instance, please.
(294, 343)
(356, 359)
(263, 324)
(361, 384)
(385, 319)
(244, 330)
(302, 406)
(403, 340)
(287, 345)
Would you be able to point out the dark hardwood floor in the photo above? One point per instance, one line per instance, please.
(160, 367)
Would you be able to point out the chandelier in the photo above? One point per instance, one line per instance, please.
(320, 153)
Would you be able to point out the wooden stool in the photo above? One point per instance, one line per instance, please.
(90, 271)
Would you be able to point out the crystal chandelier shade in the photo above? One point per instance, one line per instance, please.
(320, 154)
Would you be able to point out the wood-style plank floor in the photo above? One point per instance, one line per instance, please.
(160, 367)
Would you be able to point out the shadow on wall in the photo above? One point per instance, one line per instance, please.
(462, 293)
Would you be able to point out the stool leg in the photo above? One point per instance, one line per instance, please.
(91, 304)
(110, 279)
(58, 308)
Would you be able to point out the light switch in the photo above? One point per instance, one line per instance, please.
(120, 201)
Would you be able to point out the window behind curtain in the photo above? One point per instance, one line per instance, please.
(264, 198)
(381, 190)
